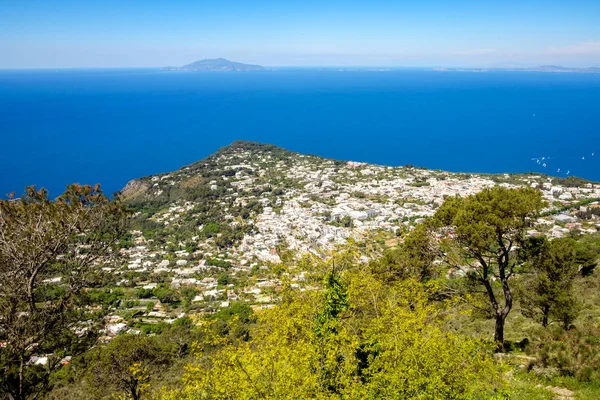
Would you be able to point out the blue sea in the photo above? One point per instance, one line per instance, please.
(110, 126)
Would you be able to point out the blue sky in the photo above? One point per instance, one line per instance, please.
(134, 33)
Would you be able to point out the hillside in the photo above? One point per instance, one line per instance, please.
(267, 257)
(252, 201)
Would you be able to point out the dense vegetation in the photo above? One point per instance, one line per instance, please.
(467, 307)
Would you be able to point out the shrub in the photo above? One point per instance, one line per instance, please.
(573, 352)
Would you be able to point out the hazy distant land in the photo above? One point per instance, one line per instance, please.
(217, 64)
(541, 68)
(222, 64)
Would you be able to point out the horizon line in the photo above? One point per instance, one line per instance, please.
(311, 67)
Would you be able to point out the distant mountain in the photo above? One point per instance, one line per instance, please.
(217, 64)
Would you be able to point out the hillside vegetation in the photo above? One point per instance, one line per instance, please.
(262, 273)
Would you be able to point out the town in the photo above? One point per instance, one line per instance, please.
(228, 228)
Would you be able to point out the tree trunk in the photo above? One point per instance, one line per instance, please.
(21, 376)
(135, 394)
(502, 314)
(545, 312)
(499, 331)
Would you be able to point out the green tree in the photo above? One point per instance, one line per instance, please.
(485, 229)
(233, 321)
(150, 306)
(327, 329)
(223, 280)
(587, 250)
(346, 221)
(413, 259)
(178, 337)
(211, 230)
(549, 290)
(49, 252)
(188, 294)
(142, 293)
(164, 293)
(126, 366)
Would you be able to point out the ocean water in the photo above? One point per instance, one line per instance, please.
(110, 126)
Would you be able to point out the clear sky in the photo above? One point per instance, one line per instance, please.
(139, 33)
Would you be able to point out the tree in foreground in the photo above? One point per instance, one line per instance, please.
(548, 294)
(49, 252)
(485, 230)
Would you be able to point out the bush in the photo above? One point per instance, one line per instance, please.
(218, 263)
(308, 347)
(573, 352)
(142, 293)
(211, 230)
(223, 280)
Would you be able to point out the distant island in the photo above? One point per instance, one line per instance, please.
(217, 64)
(222, 64)
(541, 68)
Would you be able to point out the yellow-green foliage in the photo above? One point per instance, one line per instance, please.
(356, 339)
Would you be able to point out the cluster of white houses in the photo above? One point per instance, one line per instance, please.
(326, 204)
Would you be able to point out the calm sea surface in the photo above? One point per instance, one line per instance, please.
(110, 126)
